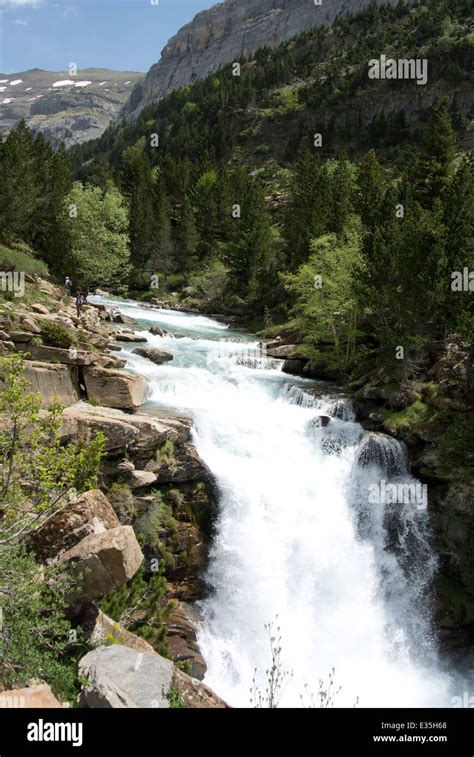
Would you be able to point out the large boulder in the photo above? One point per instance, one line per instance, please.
(53, 382)
(184, 465)
(119, 677)
(194, 693)
(138, 479)
(384, 451)
(21, 337)
(29, 324)
(181, 635)
(91, 513)
(104, 561)
(138, 434)
(153, 354)
(59, 355)
(102, 630)
(122, 318)
(114, 388)
(285, 352)
(126, 337)
(108, 361)
(90, 319)
(81, 422)
(41, 309)
(155, 431)
(157, 331)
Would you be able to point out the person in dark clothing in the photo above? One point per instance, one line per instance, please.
(80, 301)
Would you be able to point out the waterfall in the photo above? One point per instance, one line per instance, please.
(305, 532)
(383, 451)
(296, 395)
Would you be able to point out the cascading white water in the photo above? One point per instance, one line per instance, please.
(297, 536)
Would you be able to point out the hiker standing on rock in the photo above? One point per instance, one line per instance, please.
(68, 285)
(80, 301)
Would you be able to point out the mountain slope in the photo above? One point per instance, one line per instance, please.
(315, 82)
(225, 33)
(64, 108)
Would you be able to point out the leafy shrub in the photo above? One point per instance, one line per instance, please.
(138, 606)
(35, 633)
(38, 476)
(56, 335)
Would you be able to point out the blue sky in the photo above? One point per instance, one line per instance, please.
(126, 35)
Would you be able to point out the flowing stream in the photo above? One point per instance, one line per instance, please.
(300, 543)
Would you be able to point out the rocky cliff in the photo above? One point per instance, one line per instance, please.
(64, 108)
(226, 32)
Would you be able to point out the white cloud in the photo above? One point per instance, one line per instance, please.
(21, 3)
(70, 10)
(20, 22)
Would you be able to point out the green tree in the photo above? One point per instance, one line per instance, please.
(39, 473)
(428, 175)
(139, 607)
(308, 210)
(35, 633)
(186, 238)
(18, 185)
(248, 249)
(38, 476)
(161, 249)
(342, 191)
(410, 256)
(96, 224)
(370, 190)
(458, 201)
(326, 298)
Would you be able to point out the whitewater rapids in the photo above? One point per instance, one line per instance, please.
(296, 537)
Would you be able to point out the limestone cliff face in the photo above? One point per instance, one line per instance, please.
(227, 31)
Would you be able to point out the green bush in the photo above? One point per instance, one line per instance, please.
(56, 335)
(35, 635)
(39, 475)
(139, 607)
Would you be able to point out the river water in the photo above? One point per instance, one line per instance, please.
(300, 542)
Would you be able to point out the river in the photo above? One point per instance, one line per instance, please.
(299, 543)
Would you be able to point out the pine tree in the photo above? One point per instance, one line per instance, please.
(429, 173)
(370, 190)
(49, 232)
(161, 258)
(342, 190)
(458, 307)
(248, 250)
(308, 211)
(186, 238)
(19, 188)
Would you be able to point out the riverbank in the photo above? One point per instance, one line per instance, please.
(70, 359)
